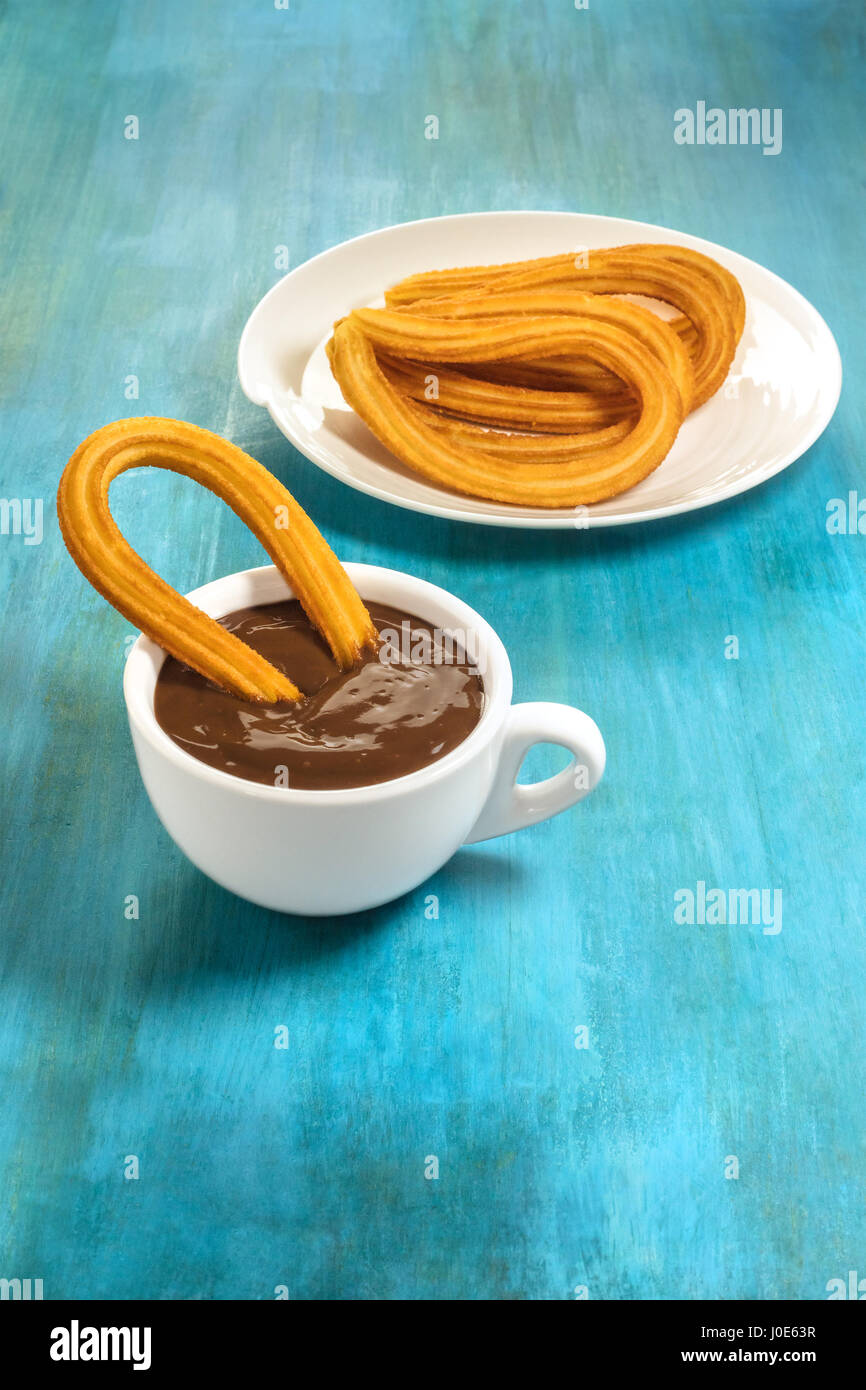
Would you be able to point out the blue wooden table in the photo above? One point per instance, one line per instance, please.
(622, 1105)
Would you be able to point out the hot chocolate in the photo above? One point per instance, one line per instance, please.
(397, 709)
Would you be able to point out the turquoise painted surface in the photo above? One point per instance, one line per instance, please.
(454, 1037)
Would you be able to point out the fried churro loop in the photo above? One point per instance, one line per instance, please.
(652, 331)
(539, 382)
(295, 545)
(707, 295)
(598, 474)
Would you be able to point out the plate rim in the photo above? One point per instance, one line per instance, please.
(556, 521)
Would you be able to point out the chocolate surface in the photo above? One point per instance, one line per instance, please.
(395, 711)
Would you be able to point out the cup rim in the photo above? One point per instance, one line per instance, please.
(146, 658)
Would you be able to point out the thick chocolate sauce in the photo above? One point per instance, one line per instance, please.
(396, 710)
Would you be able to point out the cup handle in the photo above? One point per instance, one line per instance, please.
(511, 806)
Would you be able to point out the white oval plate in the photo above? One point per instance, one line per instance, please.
(780, 395)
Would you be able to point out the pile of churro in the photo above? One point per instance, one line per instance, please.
(537, 383)
(293, 542)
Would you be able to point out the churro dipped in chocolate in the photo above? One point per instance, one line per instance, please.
(294, 544)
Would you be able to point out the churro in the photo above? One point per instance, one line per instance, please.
(537, 382)
(291, 539)
(652, 331)
(598, 474)
(706, 294)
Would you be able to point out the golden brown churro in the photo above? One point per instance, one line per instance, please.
(709, 296)
(652, 331)
(288, 535)
(587, 478)
(536, 382)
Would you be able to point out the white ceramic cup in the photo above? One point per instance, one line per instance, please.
(323, 853)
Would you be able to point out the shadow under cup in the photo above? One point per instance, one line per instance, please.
(328, 852)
